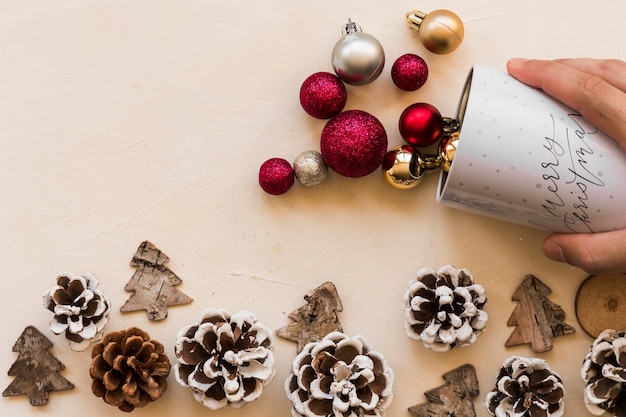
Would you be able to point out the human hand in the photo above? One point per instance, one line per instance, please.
(597, 90)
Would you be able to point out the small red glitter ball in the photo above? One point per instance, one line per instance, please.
(409, 72)
(323, 95)
(276, 176)
(421, 124)
(353, 143)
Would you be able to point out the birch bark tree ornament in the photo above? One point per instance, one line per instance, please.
(153, 284)
(537, 319)
(316, 319)
(454, 398)
(445, 308)
(36, 370)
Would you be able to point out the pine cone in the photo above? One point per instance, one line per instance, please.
(224, 359)
(129, 369)
(526, 387)
(339, 376)
(604, 372)
(80, 310)
(444, 308)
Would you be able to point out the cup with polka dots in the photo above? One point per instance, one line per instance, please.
(526, 158)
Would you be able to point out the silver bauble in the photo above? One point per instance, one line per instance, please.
(309, 168)
(358, 58)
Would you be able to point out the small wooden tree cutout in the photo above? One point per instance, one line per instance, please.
(153, 284)
(454, 398)
(537, 319)
(36, 370)
(316, 319)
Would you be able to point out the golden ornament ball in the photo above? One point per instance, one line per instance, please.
(441, 31)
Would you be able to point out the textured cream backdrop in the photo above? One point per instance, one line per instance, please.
(123, 121)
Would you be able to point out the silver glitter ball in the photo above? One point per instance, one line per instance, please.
(358, 58)
(310, 169)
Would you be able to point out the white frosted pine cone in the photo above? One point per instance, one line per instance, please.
(526, 387)
(604, 373)
(339, 376)
(444, 308)
(80, 310)
(224, 359)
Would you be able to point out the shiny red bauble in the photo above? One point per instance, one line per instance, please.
(421, 124)
(409, 72)
(323, 95)
(276, 176)
(353, 143)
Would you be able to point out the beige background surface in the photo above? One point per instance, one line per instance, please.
(130, 120)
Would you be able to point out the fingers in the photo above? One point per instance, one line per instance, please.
(613, 71)
(597, 100)
(596, 253)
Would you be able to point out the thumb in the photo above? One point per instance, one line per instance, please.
(595, 253)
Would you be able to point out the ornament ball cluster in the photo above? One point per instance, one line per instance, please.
(353, 143)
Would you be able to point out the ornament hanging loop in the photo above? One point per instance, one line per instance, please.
(430, 163)
(450, 126)
(350, 27)
(414, 19)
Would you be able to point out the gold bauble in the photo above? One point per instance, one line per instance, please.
(447, 150)
(441, 31)
(402, 167)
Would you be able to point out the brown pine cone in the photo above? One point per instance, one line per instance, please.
(129, 369)
(604, 373)
(224, 359)
(80, 310)
(339, 376)
(444, 308)
(526, 387)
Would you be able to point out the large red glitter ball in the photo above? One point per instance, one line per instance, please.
(421, 124)
(353, 143)
(409, 72)
(276, 176)
(323, 95)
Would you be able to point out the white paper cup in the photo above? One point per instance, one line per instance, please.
(526, 158)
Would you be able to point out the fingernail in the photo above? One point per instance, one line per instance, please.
(517, 61)
(553, 251)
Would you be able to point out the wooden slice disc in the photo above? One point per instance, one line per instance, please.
(601, 303)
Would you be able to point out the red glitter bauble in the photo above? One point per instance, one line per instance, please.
(276, 176)
(421, 124)
(353, 143)
(323, 95)
(409, 72)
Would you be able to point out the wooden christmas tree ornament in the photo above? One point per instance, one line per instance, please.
(454, 398)
(36, 370)
(316, 319)
(153, 284)
(537, 319)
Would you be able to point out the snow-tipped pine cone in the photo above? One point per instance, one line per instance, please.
(444, 308)
(604, 373)
(80, 310)
(128, 369)
(224, 359)
(526, 387)
(339, 376)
